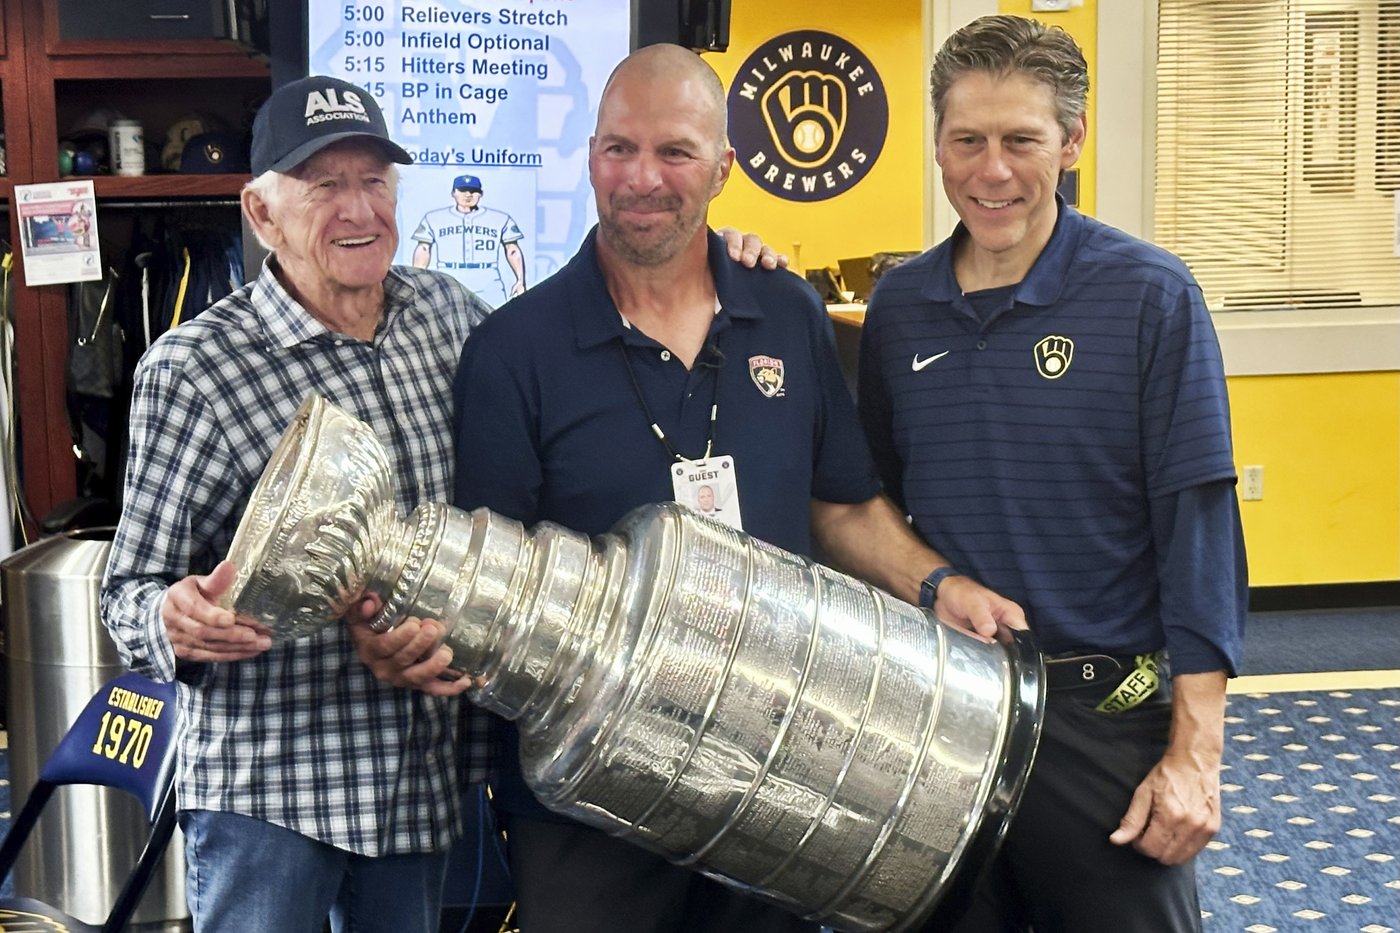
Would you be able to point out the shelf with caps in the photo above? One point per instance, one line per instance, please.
(158, 63)
(195, 133)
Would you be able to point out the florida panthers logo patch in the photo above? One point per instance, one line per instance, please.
(767, 373)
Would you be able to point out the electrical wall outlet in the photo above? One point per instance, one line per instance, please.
(1052, 6)
(1252, 483)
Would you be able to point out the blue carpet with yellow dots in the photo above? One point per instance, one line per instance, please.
(1310, 794)
(1310, 788)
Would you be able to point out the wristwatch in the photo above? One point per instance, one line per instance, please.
(928, 590)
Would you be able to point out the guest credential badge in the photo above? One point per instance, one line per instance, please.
(710, 487)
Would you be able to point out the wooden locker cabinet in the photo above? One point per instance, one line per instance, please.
(48, 81)
(142, 20)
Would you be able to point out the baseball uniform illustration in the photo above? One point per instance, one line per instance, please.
(467, 240)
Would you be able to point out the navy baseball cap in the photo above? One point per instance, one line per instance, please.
(304, 117)
(212, 154)
(467, 183)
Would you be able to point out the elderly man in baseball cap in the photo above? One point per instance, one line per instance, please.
(307, 789)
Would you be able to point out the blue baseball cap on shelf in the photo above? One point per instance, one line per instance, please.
(467, 183)
(303, 117)
(213, 154)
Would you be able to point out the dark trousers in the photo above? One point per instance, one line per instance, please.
(570, 878)
(1057, 872)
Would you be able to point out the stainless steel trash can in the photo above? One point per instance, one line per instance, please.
(56, 656)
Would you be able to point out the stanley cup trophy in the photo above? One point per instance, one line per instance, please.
(738, 709)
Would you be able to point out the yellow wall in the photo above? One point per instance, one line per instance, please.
(1081, 22)
(1330, 448)
(1329, 443)
(885, 210)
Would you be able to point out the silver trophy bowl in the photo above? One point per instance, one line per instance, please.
(741, 710)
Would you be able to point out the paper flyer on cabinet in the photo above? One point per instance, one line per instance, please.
(58, 232)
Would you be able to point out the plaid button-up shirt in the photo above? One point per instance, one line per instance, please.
(302, 736)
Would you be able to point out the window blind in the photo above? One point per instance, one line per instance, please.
(1278, 149)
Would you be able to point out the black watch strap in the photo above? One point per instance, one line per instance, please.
(928, 590)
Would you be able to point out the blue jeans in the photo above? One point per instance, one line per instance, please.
(245, 874)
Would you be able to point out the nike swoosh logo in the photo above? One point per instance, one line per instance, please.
(920, 364)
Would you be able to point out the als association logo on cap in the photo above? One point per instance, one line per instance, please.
(303, 117)
(332, 103)
(807, 115)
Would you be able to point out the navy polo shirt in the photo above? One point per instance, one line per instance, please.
(1032, 437)
(550, 426)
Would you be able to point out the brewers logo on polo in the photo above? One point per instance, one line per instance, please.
(1053, 354)
(807, 115)
(767, 373)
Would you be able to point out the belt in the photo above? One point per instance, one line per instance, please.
(467, 265)
(1133, 678)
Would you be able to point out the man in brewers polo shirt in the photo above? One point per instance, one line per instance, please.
(1045, 396)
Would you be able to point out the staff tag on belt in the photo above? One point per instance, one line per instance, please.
(1144, 680)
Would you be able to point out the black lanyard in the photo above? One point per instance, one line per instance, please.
(656, 428)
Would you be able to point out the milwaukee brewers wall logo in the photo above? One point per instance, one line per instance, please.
(767, 373)
(807, 115)
(1053, 355)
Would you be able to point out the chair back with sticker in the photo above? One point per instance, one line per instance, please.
(121, 739)
(124, 738)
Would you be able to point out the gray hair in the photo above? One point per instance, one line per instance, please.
(271, 188)
(1003, 45)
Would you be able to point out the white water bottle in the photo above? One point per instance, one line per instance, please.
(127, 145)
